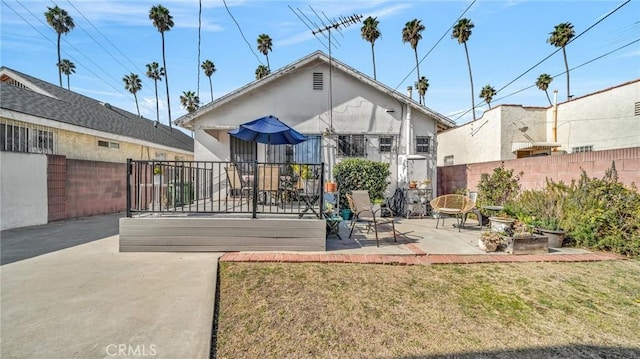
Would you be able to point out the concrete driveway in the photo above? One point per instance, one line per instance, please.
(90, 301)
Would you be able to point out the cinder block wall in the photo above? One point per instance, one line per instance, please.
(537, 169)
(94, 188)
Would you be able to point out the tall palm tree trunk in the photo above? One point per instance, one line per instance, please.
(566, 66)
(373, 56)
(473, 102)
(211, 88)
(268, 66)
(58, 65)
(166, 78)
(68, 85)
(157, 105)
(548, 98)
(137, 107)
(415, 51)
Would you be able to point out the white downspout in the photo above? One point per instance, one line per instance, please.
(408, 124)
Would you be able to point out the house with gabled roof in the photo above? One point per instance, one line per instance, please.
(344, 112)
(40, 117)
(63, 155)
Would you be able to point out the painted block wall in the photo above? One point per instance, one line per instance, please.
(563, 167)
(95, 188)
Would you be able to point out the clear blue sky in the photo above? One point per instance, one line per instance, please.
(508, 39)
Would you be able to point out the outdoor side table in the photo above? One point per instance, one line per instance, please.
(333, 225)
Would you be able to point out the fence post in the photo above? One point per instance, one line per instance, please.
(128, 184)
(255, 190)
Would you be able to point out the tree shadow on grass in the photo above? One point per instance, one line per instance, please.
(554, 352)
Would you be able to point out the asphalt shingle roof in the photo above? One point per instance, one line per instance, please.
(76, 109)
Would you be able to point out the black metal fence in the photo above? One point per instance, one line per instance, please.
(189, 187)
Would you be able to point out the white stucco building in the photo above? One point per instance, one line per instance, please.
(344, 112)
(604, 120)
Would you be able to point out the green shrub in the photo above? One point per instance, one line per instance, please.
(360, 174)
(603, 214)
(498, 189)
(543, 208)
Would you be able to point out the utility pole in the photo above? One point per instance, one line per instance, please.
(336, 24)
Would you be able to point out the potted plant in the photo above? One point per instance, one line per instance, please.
(490, 241)
(424, 184)
(157, 173)
(496, 192)
(545, 208)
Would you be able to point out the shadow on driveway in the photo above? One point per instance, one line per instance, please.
(27, 242)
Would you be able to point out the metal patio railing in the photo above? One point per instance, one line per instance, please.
(213, 187)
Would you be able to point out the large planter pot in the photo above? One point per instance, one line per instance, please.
(556, 237)
(487, 247)
(500, 224)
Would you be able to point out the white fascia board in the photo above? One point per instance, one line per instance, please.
(87, 131)
(26, 82)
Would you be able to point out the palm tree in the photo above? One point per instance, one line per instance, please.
(487, 94)
(543, 83)
(411, 33)
(163, 21)
(133, 84)
(262, 71)
(462, 32)
(264, 46)
(62, 23)
(190, 101)
(209, 68)
(560, 37)
(422, 86)
(155, 72)
(371, 33)
(67, 67)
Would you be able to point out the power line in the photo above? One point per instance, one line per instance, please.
(43, 35)
(307, 25)
(241, 33)
(434, 46)
(106, 38)
(554, 52)
(560, 74)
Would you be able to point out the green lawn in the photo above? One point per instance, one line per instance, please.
(536, 310)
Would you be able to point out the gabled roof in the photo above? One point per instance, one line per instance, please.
(31, 96)
(443, 121)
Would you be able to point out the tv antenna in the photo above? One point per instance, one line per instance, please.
(334, 24)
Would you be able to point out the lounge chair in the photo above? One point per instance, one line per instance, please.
(269, 182)
(364, 211)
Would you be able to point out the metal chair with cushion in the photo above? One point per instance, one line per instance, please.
(364, 211)
(451, 205)
(236, 184)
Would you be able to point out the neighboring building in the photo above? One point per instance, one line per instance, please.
(39, 117)
(63, 155)
(344, 112)
(604, 120)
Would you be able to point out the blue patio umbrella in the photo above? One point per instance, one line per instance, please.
(269, 130)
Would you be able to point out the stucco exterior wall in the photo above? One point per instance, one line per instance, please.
(357, 109)
(82, 146)
(604, 120)
(23, 189)
(473, 141)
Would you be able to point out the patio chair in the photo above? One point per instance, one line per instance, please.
(308, 190)
(236, 185)
(364, 211)
(269, 182)
(451, 205)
